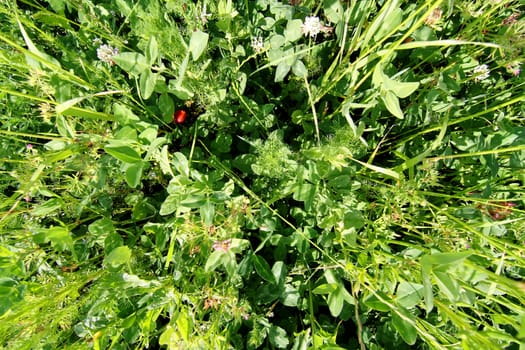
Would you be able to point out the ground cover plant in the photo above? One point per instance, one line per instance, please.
(262, 174)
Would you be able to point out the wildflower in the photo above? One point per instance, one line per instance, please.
(212, 303)
(513, 68)
(46, 110)
(481, 72)
(203, 17)
(434, 17)
(222, 246)
(511, 19)
(311, 26)
(29, 146)
(257, 44)
(105, 53)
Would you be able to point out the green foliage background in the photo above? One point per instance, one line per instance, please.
(355, 184)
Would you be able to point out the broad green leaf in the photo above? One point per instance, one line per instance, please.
(64, 128)
(225, 12)
(391, 19)
(263, 269)
(305, 192)
(302, 340)
(118, 257)
(134, 173)
(222, 143)
(164, 161)
(147, 83)
(277, 337)
(181, 92)
(333, 10)
(100, 229)
(281, 71)
(373, 302)
(132, 62)
(447, 285)
(123, 7)
(194, 200)
(293, 30)
(123, 153)
(445, 258)
(207, 211)
(60, 238)
(401, 89)
(48, 207)
(409, 294)
(198, 43)
(66, 105)
(325, 288)
(152, 50)
(124, 136)
(391, 102)
(167, 107)
(336, 301)
(428, 294)
(149, 135)
(184, 325)
(427, 263)
(279, 271)
(180, 163)
(112, 241)
(166, 338)
(170, 204)
(299, 69)
(276, 41)
(214, 260)
(290, 296)
(405, 328)
(124, 114)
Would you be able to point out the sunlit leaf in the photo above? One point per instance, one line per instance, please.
(132, 62)
(198, 43)
(123, 153)
(118, 257)
(405, 328)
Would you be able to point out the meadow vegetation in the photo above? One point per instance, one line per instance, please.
(263, 174)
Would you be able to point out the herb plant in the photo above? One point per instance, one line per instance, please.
(262, 174)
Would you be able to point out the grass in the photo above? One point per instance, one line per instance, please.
(262, 175)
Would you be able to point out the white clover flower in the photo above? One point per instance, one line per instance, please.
(481, 72)
(311, 26)
(105, 53)
(257, 44)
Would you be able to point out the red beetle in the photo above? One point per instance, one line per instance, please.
(180, 116)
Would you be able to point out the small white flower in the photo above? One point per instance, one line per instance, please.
(257, 44)
(105, 53)
(203, 17)
(481, 72)
(311, 26)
